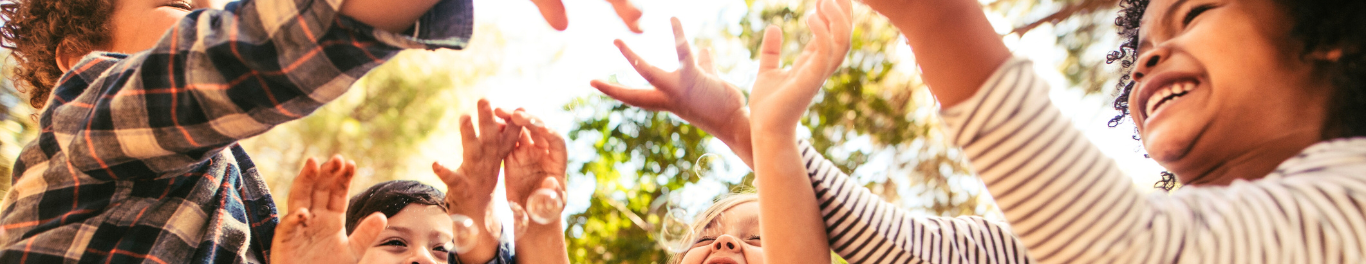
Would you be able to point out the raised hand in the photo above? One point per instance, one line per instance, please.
(781, 96)
(538, 164)
(469, 189)
(553, 11)
(693, 92)
(539, 161)
(315, 229)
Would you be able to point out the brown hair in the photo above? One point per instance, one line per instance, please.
(389, 198)
(35, 29)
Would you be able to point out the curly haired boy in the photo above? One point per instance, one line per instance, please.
(143, 103)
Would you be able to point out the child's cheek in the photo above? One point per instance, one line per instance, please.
(754, 255)
(138, 32)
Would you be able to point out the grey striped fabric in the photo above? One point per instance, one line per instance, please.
(1068, 203)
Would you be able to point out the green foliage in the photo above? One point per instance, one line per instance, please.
(869, 108)
(386, 121)
(17, 125)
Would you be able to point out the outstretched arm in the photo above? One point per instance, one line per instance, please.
(315, 230)
(469, 189)
(790, 219)
(538, 164)
(953, 42)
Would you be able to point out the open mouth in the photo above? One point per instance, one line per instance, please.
(1169, 94)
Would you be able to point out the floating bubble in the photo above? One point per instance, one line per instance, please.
(465, 234)
(490, 222)
(674, 231)
(705, 163)
(545, 205)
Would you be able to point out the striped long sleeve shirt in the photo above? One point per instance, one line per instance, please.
(137, 161)
(1067, 203)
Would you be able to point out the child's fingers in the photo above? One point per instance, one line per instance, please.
(366, 232)
(651, 73)
(524, 139)
(326, 180)
(445, 173)
(771, 49)
(486, 121)
(553, 142)
(301, 191)
(817, 51)
(650, 99)
(629, 14)
(841, 30)
(553, 11)
(704, 60)
(681, 42)
(468, 136)
(342, 187)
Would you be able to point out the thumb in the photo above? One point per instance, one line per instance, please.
(366, 232)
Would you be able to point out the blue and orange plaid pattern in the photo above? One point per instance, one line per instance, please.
(137, 161)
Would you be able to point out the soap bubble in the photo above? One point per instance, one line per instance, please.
(545, 205)
(465, 234)
(674, 231)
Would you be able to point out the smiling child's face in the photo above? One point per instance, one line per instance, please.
(732, 238)
(1219, 81)
(417, 234)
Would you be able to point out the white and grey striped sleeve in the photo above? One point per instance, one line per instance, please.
(1068, 203)
(865, 229)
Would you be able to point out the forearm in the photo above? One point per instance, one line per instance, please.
(387, 15)
(543, 244)
(954, 44)
(784, 190)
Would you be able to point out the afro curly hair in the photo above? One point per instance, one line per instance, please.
(1318, 25)
(34, 30)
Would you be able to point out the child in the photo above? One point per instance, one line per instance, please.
(726, 231)
(138, 159)
(1258, 118)
(419, 229)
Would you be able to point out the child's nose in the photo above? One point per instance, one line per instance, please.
(726, 243)
(422, 257)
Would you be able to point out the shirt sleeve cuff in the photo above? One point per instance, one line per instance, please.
(449, 24)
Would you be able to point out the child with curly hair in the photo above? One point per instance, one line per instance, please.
(143, 102)
(1255, 106)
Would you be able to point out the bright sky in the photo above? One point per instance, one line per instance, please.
(542, 69)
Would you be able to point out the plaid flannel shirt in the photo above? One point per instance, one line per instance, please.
(137, 161)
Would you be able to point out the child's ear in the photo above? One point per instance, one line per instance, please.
(64, 57)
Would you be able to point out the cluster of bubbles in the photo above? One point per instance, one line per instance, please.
(674, 232)
(543, 206)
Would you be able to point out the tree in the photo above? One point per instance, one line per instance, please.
(386, 120)
(872, 119)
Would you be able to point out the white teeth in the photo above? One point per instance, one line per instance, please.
(1164, 92)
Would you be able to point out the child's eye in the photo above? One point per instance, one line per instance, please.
(439, 249)
(753, 237)
(394, 242)
(180, 4)
(1195, 12)
(704, 240)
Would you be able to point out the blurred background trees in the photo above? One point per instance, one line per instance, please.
(874, 119)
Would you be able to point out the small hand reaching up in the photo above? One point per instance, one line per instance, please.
(315, 229)
(553, 12)
(537, 165)
(781, 96)
(779, 99)
(693, 92)
(469, 189)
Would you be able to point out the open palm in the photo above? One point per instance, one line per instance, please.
(693, 92)
(781, 96)
(540, 154)
(315, 230)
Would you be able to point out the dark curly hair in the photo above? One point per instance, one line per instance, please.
(34, 29)
(1318, 25)
(389, 198)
